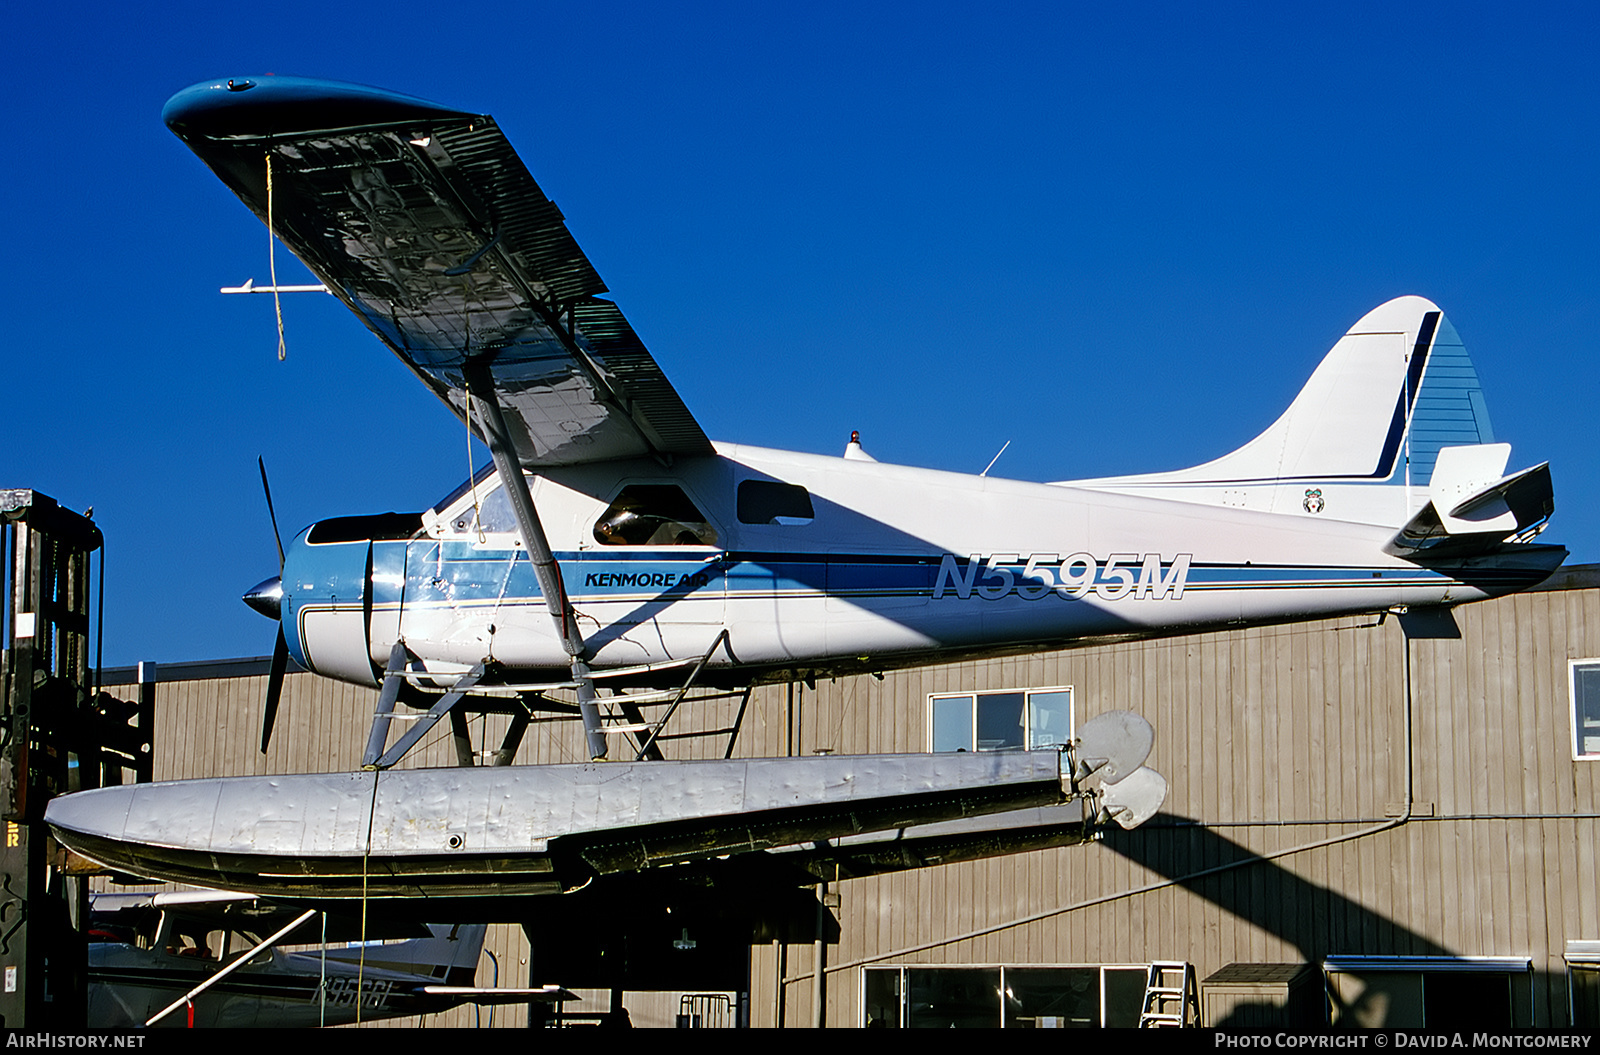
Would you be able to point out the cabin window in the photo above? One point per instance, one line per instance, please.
(1087, 996)
(1584, 683)
(771, 502)
(653, 515)
(997, 721)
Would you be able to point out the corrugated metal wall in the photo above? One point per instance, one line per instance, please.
(1275, 742)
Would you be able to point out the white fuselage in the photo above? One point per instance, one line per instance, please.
(893, 564)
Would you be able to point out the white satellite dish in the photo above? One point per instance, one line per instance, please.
(1134, 799)
(1113, 745)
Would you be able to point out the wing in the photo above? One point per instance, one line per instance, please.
(426, 223)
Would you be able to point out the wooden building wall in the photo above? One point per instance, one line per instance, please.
(1291, 753)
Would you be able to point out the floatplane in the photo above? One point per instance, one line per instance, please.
(204, 958)
(613, 552)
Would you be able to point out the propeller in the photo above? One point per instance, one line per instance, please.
(266, 597)
(266, 488)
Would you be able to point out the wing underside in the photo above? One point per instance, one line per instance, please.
(425, 222)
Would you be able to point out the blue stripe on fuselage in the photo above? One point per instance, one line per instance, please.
(463, 573)
(457, 572)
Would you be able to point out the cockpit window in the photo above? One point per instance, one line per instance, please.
(653, 515)
(376, 527)
(479, 476)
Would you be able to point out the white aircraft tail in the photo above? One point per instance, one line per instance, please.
(449, 955)
(1393, 424)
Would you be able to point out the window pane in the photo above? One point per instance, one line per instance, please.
(1049, 718)
(999, 721)
(1586, 707)
(771, 502)
(1377, 999)
(1585, 983)
(653, 515)
(952, 723)
(883, 998)
(1053, 997)
(1466, 1000)
(961, 997)
(1124, 998)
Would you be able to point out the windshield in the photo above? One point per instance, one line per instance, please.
(482, 473)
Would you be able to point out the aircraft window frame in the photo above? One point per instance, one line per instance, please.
(1040, 718)
(1583, 697)
(658, 512)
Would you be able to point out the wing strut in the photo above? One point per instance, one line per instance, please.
(480, 390)
(383, 714)
(424, 722)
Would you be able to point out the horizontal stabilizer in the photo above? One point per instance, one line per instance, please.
(1472, 507)
(493, 995)
(1528, 495)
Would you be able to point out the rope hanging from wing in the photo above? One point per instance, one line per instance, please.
(472, 474)
(272, 263)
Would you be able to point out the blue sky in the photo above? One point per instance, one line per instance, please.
(1118, 236)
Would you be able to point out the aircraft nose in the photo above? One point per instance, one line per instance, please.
(266, 597)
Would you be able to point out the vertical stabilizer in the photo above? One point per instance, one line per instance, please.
(449, 956)
(1394, 392)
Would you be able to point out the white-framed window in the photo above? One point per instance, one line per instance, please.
(995, 720)
(1583, 682)
(1583, 983)
(1429, 992)
(1056, 996)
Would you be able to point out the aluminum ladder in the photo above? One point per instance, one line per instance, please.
(1170, 998)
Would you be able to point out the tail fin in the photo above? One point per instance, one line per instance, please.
(1403, 363)
(450, 955)
(1389, 400)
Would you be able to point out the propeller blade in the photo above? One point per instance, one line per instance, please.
(276, 537)
(280, 664)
